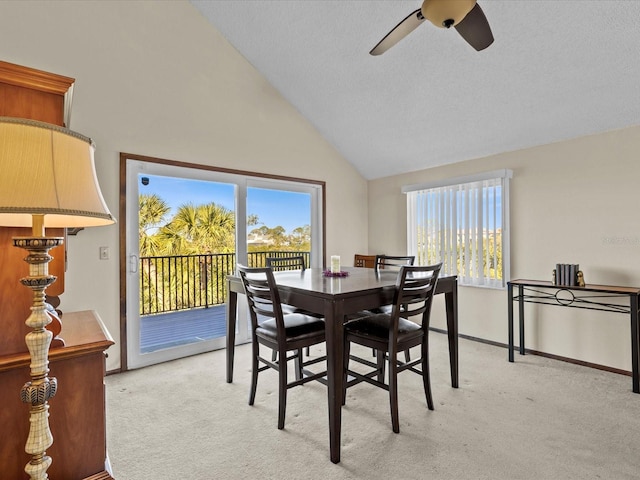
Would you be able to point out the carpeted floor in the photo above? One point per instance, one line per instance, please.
(533, 419)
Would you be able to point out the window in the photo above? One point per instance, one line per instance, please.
(463, 223)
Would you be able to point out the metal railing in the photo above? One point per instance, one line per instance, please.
(181, 282)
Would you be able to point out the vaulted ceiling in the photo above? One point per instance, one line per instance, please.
(558, 69)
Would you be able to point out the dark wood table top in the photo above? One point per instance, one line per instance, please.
(313, 281)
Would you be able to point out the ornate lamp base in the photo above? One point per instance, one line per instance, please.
(41, 388)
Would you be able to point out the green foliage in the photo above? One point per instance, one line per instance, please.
(200, 243)
(208, 228)
(277, 239)
(152, 213)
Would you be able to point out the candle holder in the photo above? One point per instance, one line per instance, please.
(335, 264)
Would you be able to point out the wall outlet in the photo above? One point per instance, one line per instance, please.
(104, 253)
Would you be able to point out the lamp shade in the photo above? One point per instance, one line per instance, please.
(48, 170)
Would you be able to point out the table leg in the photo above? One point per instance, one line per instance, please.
(451, 301)
(510, 319)
(334, 335)
(232, 302)
(521, 315)
(635, 344)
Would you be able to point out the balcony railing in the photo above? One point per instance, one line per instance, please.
(181, 282)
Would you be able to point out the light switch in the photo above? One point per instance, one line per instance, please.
(104, 253)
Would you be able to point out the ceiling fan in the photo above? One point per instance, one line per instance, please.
(465, 16)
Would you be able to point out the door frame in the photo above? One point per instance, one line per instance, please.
(252, 179)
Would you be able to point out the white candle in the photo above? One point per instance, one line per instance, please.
(335, 263)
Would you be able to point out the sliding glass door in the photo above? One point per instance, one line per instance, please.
(283, 220)
(186, 229)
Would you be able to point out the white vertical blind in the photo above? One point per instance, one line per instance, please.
(463, 225)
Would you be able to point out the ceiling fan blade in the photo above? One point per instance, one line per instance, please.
(475, 29)
(404, 28)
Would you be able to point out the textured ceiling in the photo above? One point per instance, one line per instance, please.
(558, 69)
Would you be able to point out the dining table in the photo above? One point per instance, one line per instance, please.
(336, 297)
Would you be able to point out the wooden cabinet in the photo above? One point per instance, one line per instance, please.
(29, 93)
(77, 412)
(46, 97)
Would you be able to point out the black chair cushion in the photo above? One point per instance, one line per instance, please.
(378, 326)
(355, 316)
(296, 325)
(387, 309)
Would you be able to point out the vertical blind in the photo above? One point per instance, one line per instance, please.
(465, 226)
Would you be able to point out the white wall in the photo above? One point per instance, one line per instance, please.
(155, 79)
(571, 202)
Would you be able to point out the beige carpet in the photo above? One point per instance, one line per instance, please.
(533, 419)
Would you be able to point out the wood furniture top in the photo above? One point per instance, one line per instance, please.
(35, 94)
(313, 284)
(82, 335)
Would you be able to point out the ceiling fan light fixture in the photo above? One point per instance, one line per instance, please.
(465, 15)
(446, 13)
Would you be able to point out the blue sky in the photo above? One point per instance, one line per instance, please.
(273, 207)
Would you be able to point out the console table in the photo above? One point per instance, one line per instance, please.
(591, 297)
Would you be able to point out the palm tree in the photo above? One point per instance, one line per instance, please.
(208, 228)
(152, 213)
(218, 225)
(196, 230)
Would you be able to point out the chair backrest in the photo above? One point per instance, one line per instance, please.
(294, 262)
(366, 261)
(262, 294)
(414, 292)
(392, 262)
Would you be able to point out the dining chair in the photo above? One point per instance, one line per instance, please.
(364, 261)
(278, 264)
(281, 332)
(390, 333)
(393, 262)
(294, 262)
